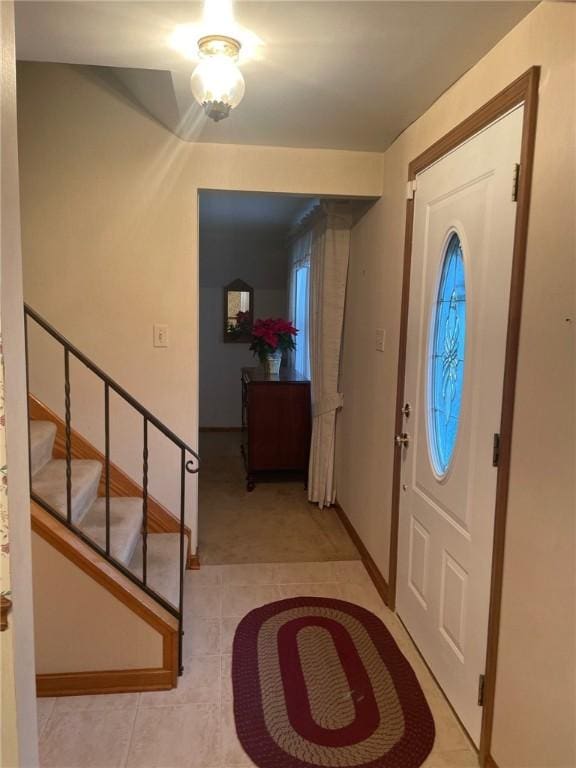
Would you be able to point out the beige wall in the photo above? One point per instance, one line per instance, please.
(262, 262)
(19, 744)
(109, 217)
(535, 702)
(70, 633)
(110, 246)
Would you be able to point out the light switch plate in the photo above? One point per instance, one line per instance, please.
(160, 335)
(380, 339)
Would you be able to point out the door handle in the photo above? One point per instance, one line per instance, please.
(406, 410)
(402, 439)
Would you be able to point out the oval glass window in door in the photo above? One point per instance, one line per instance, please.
(446, 363)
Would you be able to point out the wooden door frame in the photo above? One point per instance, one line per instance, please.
(524, 91)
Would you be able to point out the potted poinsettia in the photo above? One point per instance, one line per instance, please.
(270, 337)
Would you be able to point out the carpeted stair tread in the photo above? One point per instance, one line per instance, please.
(163, 563)
(42, 436)
(50, 485)
(125, 525)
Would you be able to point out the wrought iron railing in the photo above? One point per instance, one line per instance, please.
(187, 465)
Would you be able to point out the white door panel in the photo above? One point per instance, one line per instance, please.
(447, 512)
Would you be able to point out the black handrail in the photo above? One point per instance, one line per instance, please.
(113, 385)
(148, 418)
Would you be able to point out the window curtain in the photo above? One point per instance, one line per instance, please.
(329, 268)
(299, 259)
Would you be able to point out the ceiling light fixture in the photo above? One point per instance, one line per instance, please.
(217, 83)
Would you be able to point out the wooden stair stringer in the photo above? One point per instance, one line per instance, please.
(160, 519)
(117, 584)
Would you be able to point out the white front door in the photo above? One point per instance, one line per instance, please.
(462, 249)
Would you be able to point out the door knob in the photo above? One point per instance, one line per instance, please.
(403, 439)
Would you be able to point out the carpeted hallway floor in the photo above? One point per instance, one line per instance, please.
(273, 524)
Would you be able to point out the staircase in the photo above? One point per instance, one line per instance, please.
(88, 513)
(97, 503)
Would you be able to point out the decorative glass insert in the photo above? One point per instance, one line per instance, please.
(446, 364)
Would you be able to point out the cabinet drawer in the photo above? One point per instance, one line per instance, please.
(278, 425)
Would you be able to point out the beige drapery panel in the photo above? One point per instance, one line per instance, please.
(329, 268)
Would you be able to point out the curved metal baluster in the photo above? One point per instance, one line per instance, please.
(27, 398)
(107, 463)
(183, 470)
(145, 504)
(68, 436)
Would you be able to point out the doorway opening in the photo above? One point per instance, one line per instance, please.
(249, 273)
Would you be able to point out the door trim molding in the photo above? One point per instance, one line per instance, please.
(524, 90)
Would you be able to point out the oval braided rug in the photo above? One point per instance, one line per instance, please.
(321, 682)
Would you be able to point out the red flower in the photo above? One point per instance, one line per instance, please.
(271, 334)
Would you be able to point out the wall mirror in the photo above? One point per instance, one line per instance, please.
(238, 311)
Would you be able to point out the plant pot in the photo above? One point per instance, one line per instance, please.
(272, 363)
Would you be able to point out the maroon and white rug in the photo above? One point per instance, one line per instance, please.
(321, 682)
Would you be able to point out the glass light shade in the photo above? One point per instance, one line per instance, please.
(218, 85)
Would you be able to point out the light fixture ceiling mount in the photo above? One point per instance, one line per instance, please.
(217, 83)
(219, 45)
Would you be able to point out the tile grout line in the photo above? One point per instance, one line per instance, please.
(131, 738)
(220, 718)
(44, 728)
(220, 723)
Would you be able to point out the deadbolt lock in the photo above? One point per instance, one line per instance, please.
(403, 439)
(406, 410)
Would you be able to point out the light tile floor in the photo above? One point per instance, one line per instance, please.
(193, 726)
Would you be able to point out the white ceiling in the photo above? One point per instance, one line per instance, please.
(344, 74)
(235, 213)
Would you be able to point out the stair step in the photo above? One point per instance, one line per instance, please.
(163, 564)
(50, 485)
(42, 436)
(125, 525)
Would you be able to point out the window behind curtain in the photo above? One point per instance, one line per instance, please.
(301, 320)
(299, 302)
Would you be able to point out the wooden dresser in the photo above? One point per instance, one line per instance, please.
(276, 424)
